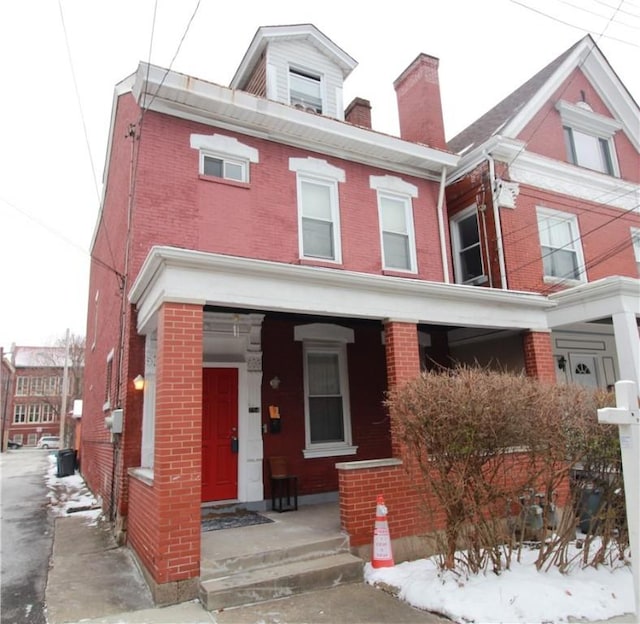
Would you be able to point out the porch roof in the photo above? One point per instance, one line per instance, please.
(179, 275)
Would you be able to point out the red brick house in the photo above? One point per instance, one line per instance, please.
(271, 265)
(546, 198)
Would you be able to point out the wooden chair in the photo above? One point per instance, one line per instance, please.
(284, 486)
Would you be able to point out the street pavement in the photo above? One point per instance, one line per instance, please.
(27, 536)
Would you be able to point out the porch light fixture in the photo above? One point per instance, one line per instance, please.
(562, 363)
(275, 382)
(138, 382)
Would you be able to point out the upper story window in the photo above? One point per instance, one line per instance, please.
(220, 167)
(305, 90)
(318, 208)
(560, 245)
(589, 137)
(635, 240)
(224, 157)
(395, 213)
(467, 253)
(22, 386)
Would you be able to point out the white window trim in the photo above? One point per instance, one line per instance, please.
(572, 219)
(580, 117)
(454, 224)
(109, 381)
(227, 149)
(319, 171)
(635, 244)
(397, 189)
(327, 338)
(147, 446)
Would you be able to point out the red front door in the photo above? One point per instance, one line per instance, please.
(219, 434)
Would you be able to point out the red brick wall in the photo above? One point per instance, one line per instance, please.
(178, 440)
(538, 356)
(143, 532)
(264, 221)
(369, 422)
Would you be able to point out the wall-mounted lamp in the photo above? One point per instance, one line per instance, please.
(138, 382)
(562, 363)
(275, 382)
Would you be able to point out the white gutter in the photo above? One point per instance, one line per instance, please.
(496, 218)
(441, 228)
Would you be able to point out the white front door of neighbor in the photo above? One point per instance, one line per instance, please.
(583, 370)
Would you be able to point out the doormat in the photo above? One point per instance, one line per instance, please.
(235, 520)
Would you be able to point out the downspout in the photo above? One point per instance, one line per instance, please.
(496, 218)
(441, 230)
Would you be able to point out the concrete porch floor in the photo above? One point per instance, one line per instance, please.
(309, 525)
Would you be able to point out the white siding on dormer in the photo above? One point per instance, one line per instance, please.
(301, 55)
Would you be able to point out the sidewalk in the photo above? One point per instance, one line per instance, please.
(94, 581)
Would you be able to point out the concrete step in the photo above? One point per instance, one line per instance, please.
(274, 556)
(277, 581)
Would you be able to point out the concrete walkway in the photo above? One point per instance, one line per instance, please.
(93, 581)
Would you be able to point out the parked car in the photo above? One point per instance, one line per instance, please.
(12, 444)
(48, 442)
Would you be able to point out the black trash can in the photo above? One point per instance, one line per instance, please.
(66, 463)
(589, 508)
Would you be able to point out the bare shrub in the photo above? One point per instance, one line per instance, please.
(494, 451)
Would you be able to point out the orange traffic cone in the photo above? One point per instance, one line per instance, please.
(382, 555)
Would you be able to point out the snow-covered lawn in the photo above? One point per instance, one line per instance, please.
(520, 594)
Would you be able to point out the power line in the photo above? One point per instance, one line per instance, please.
(77, 92)
(585, 30)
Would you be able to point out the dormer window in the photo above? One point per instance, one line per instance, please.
(588, 137)
(305, 91)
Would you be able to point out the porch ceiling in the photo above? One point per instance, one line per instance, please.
(178, 275)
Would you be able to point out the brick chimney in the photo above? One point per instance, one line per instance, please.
(358, 113)
(419, 103)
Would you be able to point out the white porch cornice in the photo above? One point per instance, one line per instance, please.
(595, 300)
(178, 275)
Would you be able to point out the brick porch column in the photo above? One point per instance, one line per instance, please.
(538, 355)
(178, 442)
(403, 361)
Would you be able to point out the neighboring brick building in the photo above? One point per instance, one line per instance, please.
(34, 393)
(546, 198)
(271, 265)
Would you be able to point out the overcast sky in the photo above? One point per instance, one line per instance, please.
(62, 58)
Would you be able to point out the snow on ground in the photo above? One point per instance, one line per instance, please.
(520, 594)
(70, 494)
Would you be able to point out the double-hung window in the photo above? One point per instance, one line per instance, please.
(22, 386)
(223, 157)
(34, 413)
(305, 90)
(318, 208)
(467, 252)
(20, 414)
(588, 137)
(395, 215)
(560, 245)
(326, 389)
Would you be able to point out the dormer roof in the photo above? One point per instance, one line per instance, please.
(306, 33)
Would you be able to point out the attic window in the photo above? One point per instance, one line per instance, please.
(589, 137)
(305, 91)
